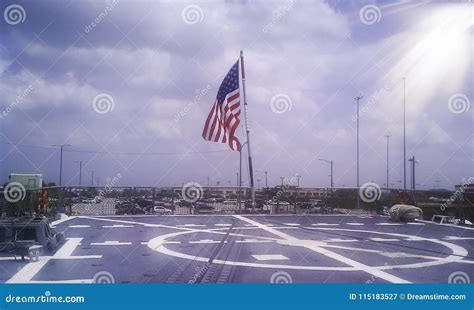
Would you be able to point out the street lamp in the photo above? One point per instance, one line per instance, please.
(331, 175)
(61, 147)
(404, 138)
(358, 98)
(266, 177)
(413, 180)
(388, 143)
(80, 170)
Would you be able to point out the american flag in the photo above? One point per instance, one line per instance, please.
(223, 120)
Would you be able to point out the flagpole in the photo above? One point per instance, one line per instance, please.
(252, 189)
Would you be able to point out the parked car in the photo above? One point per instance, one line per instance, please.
(230, 201)
(162, 210)
(202, 208)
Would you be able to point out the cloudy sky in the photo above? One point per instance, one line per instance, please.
(128, 84)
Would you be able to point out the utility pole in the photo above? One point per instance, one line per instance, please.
(331, 175)
(413, 179)
(92, 178)
(80, 171)
(61, 147)
(208, 181)
(282, 178)
(266, 179)
(358, 98)
(404, 138)
(388, 143)
(237, 182)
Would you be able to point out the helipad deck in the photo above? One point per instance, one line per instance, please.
(251, 249)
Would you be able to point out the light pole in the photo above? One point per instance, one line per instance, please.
(388, 143)
(331, 175)
(92, 178)
(266, 177)
(61, 147)
(413, 179)
(404, 138)
(358, 98)
(80, 171)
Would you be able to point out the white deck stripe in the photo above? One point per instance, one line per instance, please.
(253, 241)
(62, 220)
(388, 224)
(316, 248)
(383, 239)
(458, 238)
(270, 257)
(111, 243)
(69, 247)
(355, 224)
(79, 226)
(291, 224)
(450, 225)
(325, 224)
(118, 226)
(340, 240)
(206, 241)
(30, 270)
